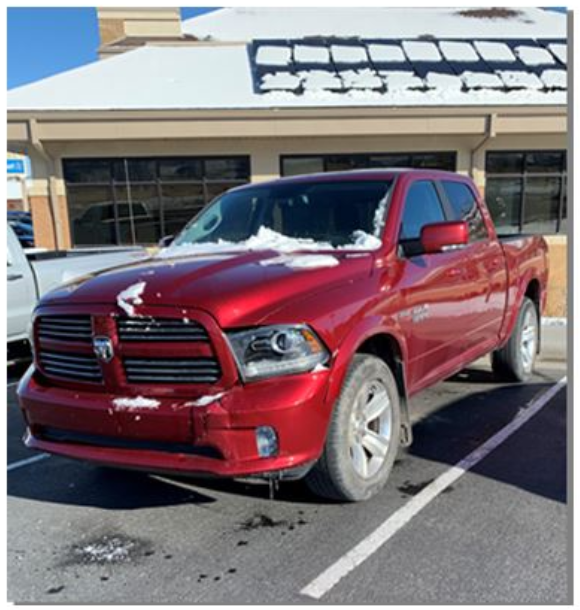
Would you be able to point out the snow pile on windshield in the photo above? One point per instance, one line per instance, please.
(138, 402)
(131, 296)
(302, 261)
(268, 239)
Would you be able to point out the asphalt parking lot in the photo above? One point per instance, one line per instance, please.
(498, 534)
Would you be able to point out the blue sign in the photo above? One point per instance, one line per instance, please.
(16, 166)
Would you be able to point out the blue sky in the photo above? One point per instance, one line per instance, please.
(45, 41)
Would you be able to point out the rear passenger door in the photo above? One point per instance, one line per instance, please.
(433, 298)
(484, 273)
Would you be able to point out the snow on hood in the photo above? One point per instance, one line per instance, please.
(131, 296)
(267, 239)
(302, 261)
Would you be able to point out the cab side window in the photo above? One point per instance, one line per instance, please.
(464, 207)
(422, 207)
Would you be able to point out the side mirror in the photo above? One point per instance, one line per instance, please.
(441, 236)
(166, 241)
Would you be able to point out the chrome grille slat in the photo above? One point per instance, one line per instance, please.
(160, 329)
(74, 367)
(65, 328)
(172, 370)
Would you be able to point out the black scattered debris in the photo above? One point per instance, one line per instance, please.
(412, 489)
(259, 521)
(54, 590)
(242, 543)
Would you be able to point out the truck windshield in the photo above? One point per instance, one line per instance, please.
(324, 213)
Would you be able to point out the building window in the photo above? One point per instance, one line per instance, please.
(526, 191)
(293, 165)
(139, 200)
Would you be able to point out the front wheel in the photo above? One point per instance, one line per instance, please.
(515, 360)
(363, 436)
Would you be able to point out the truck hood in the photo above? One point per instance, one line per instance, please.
(237, 288)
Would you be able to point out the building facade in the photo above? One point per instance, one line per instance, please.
(128, 149)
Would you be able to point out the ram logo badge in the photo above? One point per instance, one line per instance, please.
(103, 348)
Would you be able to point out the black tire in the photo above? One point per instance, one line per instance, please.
(509, 362)
(334, 476)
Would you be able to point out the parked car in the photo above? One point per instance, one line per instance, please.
(285, 331)
(24, 233)
(32, 274)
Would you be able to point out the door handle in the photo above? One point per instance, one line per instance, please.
(14, 276)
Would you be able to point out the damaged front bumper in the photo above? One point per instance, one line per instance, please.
(180, 435)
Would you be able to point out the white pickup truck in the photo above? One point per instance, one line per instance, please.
(33, 273)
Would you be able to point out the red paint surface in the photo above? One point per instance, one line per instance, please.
(443, 310)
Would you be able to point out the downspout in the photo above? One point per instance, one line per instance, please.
(52, 194)
(490, 132)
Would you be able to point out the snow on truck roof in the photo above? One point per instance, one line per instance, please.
(388, 57)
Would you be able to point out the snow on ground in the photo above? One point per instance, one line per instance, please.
(131, 296)
(134, 403)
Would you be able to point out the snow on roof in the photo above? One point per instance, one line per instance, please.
(245, 24)
(306, 73)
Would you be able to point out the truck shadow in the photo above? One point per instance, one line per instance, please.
(458, 421)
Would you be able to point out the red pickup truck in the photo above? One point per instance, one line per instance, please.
(283, 332)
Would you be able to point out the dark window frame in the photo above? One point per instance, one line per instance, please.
(114, 183)
(524, 175)
(326, 156)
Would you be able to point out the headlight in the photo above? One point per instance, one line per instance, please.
(276, 350)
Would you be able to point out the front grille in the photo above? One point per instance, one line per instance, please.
(172, 370)
(77, 367)
(160, 329)
(65, 328)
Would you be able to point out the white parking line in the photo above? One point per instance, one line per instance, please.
(323, 583)
(28, 461)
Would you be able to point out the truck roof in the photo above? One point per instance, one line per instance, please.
(356, 174)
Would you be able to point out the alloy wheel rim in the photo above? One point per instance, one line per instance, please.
(528, 341)
(370, 429)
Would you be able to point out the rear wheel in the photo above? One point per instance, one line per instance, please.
(515, 360)
(363, 436)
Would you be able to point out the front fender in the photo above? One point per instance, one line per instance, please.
(365, 329)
